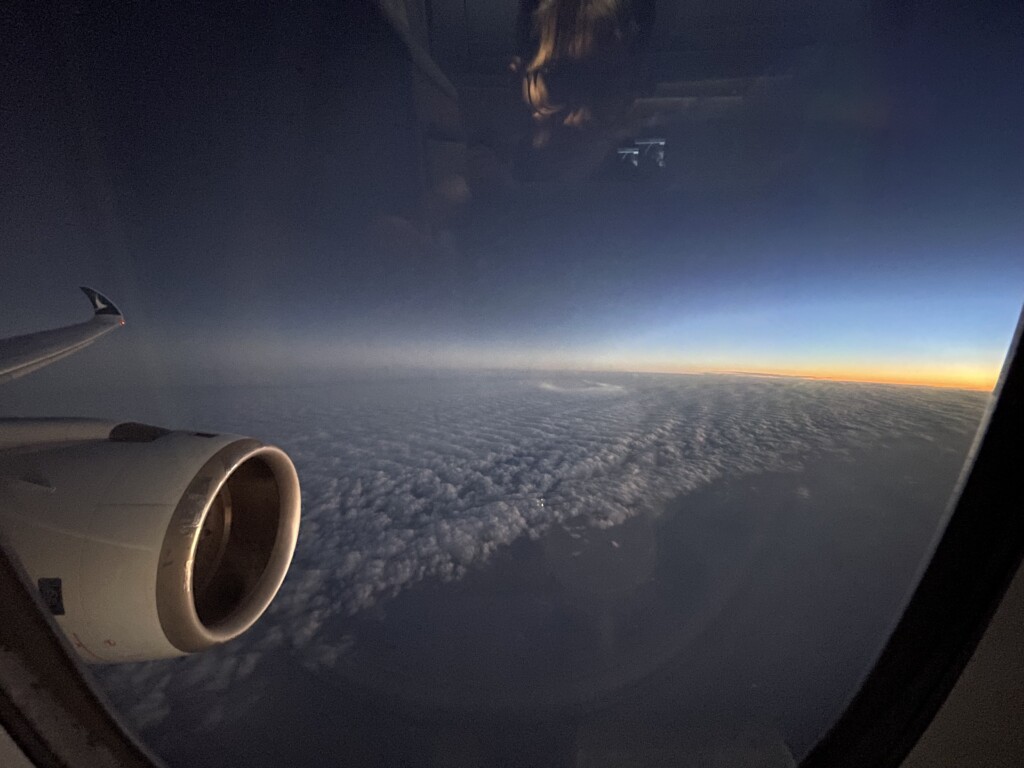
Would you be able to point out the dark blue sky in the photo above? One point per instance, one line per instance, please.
(224, 175)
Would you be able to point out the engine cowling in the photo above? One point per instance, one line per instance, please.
(147, 543)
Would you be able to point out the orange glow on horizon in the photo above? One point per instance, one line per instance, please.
(979, 372)
(967, 378)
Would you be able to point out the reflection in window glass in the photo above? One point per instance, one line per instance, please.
(628, 355)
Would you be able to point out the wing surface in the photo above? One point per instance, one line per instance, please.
(23, 354)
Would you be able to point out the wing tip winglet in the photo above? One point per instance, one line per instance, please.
(101, 305)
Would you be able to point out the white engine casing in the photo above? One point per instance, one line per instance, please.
(117, 513)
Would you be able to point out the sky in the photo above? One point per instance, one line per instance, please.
(245, 184)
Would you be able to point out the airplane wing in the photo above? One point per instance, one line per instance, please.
(23, 354)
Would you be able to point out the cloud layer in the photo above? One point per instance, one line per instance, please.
(411, 480)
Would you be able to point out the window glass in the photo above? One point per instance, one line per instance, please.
(628, 352)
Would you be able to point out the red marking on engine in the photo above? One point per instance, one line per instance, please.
(77, 642)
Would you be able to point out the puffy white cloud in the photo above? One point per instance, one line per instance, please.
(403, 483)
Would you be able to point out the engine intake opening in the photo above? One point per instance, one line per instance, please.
(236, 541)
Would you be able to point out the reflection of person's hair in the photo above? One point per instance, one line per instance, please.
(574, 56)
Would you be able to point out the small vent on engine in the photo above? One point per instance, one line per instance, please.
(134, 432)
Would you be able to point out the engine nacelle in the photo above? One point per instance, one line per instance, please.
(146, 543)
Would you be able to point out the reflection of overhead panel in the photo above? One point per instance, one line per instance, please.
(725, 83)
(630, 155)
(648, 151)
(436, 118)
(653, 149)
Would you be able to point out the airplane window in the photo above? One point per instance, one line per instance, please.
(627, 352)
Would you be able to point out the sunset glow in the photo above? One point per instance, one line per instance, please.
(960, 378)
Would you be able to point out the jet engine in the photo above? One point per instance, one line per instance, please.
(146, 543)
